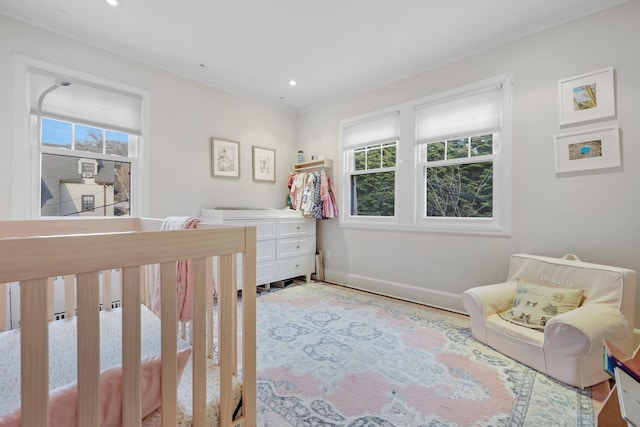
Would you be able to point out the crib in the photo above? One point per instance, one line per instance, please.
(86, 254)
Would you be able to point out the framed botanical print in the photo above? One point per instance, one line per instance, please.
(264, 164)
(225, 158)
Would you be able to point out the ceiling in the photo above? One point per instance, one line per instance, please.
(332, 48)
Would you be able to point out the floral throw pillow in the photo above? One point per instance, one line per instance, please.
(534, 305)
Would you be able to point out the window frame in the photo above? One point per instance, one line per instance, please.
(27, 150)
(347, 160)
(410, 182)
(90, 201)
(468, 224)
(359, 172)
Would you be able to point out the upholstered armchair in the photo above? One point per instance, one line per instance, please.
(566, 346)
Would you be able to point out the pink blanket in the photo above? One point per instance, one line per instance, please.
(184, 285)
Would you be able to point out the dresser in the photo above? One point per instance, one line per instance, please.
(285, 241)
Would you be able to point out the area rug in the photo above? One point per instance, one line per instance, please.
(333, 356)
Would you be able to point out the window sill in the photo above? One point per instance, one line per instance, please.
(459, 229)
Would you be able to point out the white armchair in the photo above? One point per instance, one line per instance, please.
(569, 348)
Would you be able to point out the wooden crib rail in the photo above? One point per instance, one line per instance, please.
(62, 255)
(50, 227)
(33, 260)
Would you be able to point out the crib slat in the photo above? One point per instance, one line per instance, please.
(131, 407)
(249, 385)
(169, 325)
(69, 294)
(50, 299)
(226, 340)
(4, 307)
(234, 316)
(88, 290)
(34, 354)
(209, 293)
(107, 296)
(199, 355)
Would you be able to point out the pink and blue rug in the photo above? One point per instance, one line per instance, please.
(332, 356)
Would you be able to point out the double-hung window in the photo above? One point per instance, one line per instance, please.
(84, 153)
(370, 147)
(440, 163)
(460, 168)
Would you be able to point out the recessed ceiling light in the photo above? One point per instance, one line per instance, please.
(292, 82)
(113, 3)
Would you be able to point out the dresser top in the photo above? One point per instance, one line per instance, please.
(248, 213)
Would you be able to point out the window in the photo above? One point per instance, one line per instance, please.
(87, 169)
(85, 153)
(88, 203)
(373, 180)
(459, 166)
(458, 177)
(370, 157)
(449, 171)
(103, 168)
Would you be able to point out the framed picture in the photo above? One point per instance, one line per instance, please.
(587, 97)
(264, 164)
(588, 149)
(225, 158)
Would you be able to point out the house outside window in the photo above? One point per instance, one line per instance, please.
(445, 167)
(86, 138)
(79, 159)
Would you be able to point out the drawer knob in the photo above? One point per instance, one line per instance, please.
(297, 247)
(297, 266)
(298, 228)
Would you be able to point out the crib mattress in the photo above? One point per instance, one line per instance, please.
(63, 361)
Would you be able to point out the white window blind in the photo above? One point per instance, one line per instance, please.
(467, 115)
(371, 130)
(85, 103)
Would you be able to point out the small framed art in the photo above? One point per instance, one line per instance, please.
(264, 164)
(225, 158)
(588, 149)
(587, 97)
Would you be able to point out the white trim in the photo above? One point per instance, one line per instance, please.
(25, 193)
(402, 291)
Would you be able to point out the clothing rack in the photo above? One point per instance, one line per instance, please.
(313, 164)
(311, 190)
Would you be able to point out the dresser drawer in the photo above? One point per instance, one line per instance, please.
(265, 273)
(296, 266)
(265, 250)
(295, 247)
(296, 227)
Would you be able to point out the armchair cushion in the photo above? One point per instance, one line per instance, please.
(533, 305)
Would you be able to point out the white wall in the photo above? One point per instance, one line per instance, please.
(594, 214)
(184, 116)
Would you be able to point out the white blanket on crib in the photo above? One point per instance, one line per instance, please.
(63, 363)
(63, 351)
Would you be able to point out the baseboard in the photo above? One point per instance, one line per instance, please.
(411, 293)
